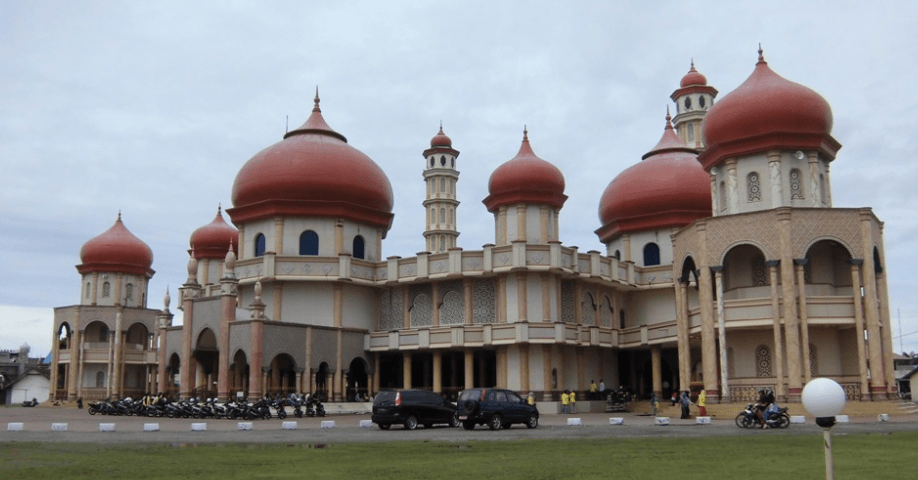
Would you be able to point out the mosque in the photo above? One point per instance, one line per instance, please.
(726, 269)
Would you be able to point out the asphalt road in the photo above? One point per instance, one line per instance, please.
(81, 427)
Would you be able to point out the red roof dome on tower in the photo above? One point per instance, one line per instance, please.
(525, 178)
(693, 77)
(440, 139)
(767, 112)
(214, 239)
(667, 189)
(116, 250)
(313, 172)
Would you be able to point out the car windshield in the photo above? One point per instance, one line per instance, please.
(513, 398)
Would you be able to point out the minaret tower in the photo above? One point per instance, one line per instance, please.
(441, 176)
(693, 98)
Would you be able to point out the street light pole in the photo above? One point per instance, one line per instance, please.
(824, 399)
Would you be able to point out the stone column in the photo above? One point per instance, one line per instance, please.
(55, 360)
(656, 371)
(789, 300)
(546, 297)
(81, 338)
(776, 179)
(406, 369)
(708, 345)
(435, 304)
(780, 390)
(438, 371)
(524, 368)
(546, 373)
(799, 265)
(118, 350)
(521, 297)
(521, 222)
(859, 327)
(815, 188)
(189, 291)
(467, 298)
(715, 198)
(722, 334)
(872, 311)
(732, 186)
(76, 353)
(469, 371)
(683, 326)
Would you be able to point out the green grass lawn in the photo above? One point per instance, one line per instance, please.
(794, 457)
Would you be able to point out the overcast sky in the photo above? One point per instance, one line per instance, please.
(151, 108)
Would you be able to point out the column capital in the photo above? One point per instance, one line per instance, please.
(772, 263)
(801, 261)
(855, 262)
(717, 268)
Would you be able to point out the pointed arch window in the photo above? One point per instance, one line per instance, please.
(106, 289)
(129, 291)
(259, 245)
(309, 243)
(651, 254)
(358, 250)
(88, 288)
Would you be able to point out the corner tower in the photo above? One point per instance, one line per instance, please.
(440, 175)
(693, 98)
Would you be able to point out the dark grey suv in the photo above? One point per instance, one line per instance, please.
(412, 408)
(497, 408)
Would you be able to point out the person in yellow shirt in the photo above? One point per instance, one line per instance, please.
(565, 402)
(593, 390)
(530, 399)
(702, 411)
(573, 402)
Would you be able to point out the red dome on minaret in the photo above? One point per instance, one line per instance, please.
(214, 239)
(668, 189)
(767, 112)
(313, 172)
(525, 178)
(440, 139)
(693, 77)
(116, 250)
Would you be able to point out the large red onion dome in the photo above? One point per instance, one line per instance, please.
(525, 178)
(767, 112)
(668, 189)
(313, 172)
(116, 251)
(214, 239)
(693, 77)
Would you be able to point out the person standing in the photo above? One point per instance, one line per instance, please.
(593, 390)
(602, 389)
(565, 402)
(674, 398)
(573, 402)
(685, 402)
(530, 399)
(653, 403)
(702, 411)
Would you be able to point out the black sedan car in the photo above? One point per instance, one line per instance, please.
(411, 408)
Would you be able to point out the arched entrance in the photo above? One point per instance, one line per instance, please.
(322, 376)
(207, 357)
(357, 379)
(282, 379)
(239, 375)
(171, 388)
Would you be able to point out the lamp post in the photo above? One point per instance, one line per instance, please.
(824, 399)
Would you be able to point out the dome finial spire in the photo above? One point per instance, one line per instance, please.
(761, 57)
(119, 215)
(219, 208)
(669, 123)
(525, 134)
(315, 107)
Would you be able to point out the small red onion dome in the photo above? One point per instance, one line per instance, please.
(116, 251)
(214, 239)
(767, 112)
(693, 77)
(313, 172)
(440, 139)
(525, 178)
(668, 189)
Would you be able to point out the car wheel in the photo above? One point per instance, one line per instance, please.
(384, 426)
(411, 422)
(495, 422)
(454, 421)
(468, 424)
(533, 421)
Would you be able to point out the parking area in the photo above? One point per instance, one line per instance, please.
(38, 424)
